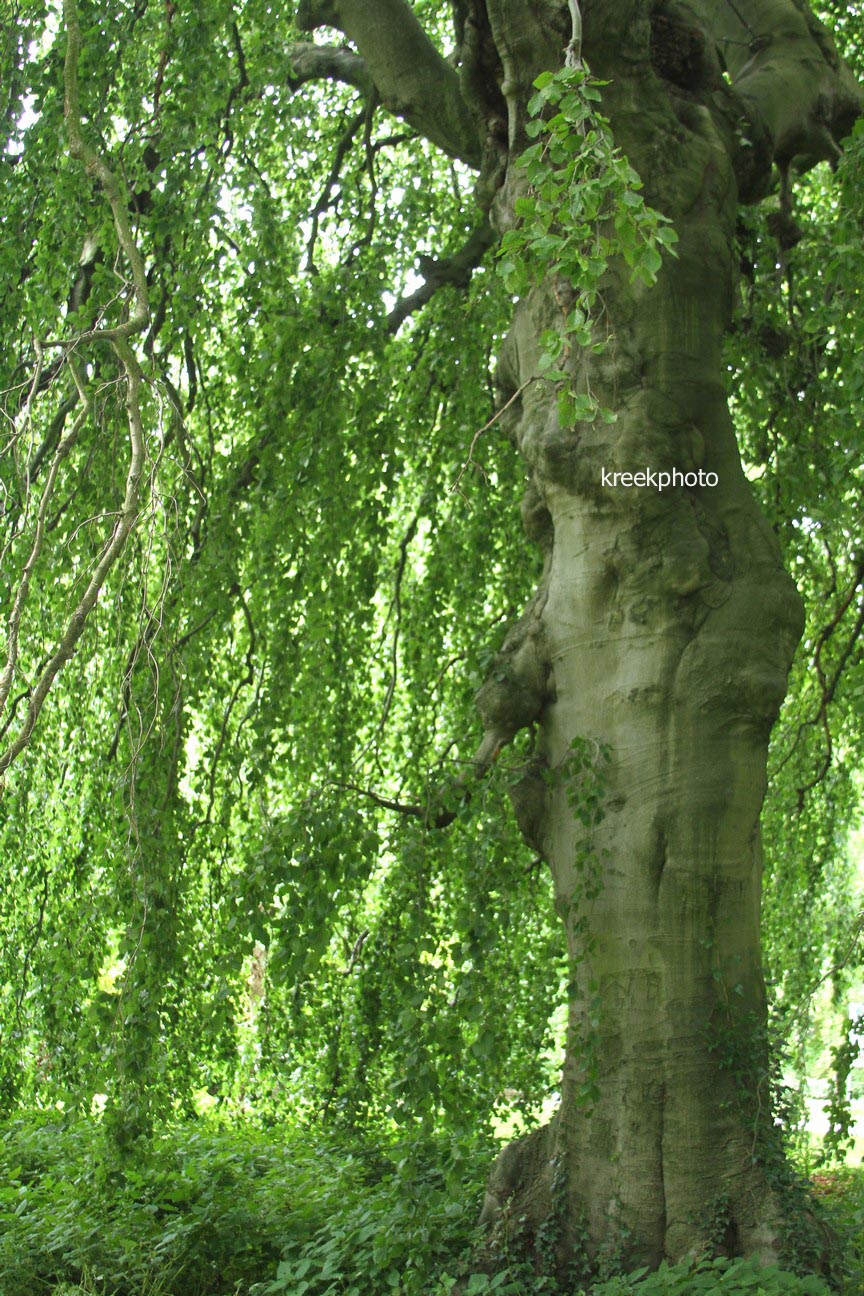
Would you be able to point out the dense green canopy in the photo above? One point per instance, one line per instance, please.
(223, 865)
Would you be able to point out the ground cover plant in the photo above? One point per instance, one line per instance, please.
(231, 1209)
(211, 1211)
(202, 1211)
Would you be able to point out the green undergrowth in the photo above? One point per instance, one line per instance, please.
(210, 1209)
(215, 1210)
(720, 1277)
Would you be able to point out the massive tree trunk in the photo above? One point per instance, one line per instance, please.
(663, 628)
(668, 625)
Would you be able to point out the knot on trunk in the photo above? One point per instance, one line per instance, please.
(536, 518)
(518, 686)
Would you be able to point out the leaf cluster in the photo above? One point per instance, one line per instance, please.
(582, 208)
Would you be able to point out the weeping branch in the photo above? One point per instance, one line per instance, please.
(828, 683)
(828, 686)
(118, 336)
(326, 200)
(97, 167)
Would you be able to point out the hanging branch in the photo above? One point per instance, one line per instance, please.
(13, 634)
(96, 166)
(828, 687)
(369, 154)
(326, 201)
(142, 642)
(246, 680)
(118, 336)
(241, 84)
(396, 609)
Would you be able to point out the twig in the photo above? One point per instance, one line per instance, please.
(442, 820)
(469, 462)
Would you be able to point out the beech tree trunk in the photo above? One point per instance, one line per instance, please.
(668, 626)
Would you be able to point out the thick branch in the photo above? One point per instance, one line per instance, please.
(328, 62)
(412, 78)
(455, 271)
(785, 67)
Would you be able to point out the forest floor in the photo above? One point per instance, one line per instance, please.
(217, 1208)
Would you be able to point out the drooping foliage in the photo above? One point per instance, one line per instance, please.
(224, 865)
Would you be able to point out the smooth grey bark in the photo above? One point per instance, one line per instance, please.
(786, 68)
